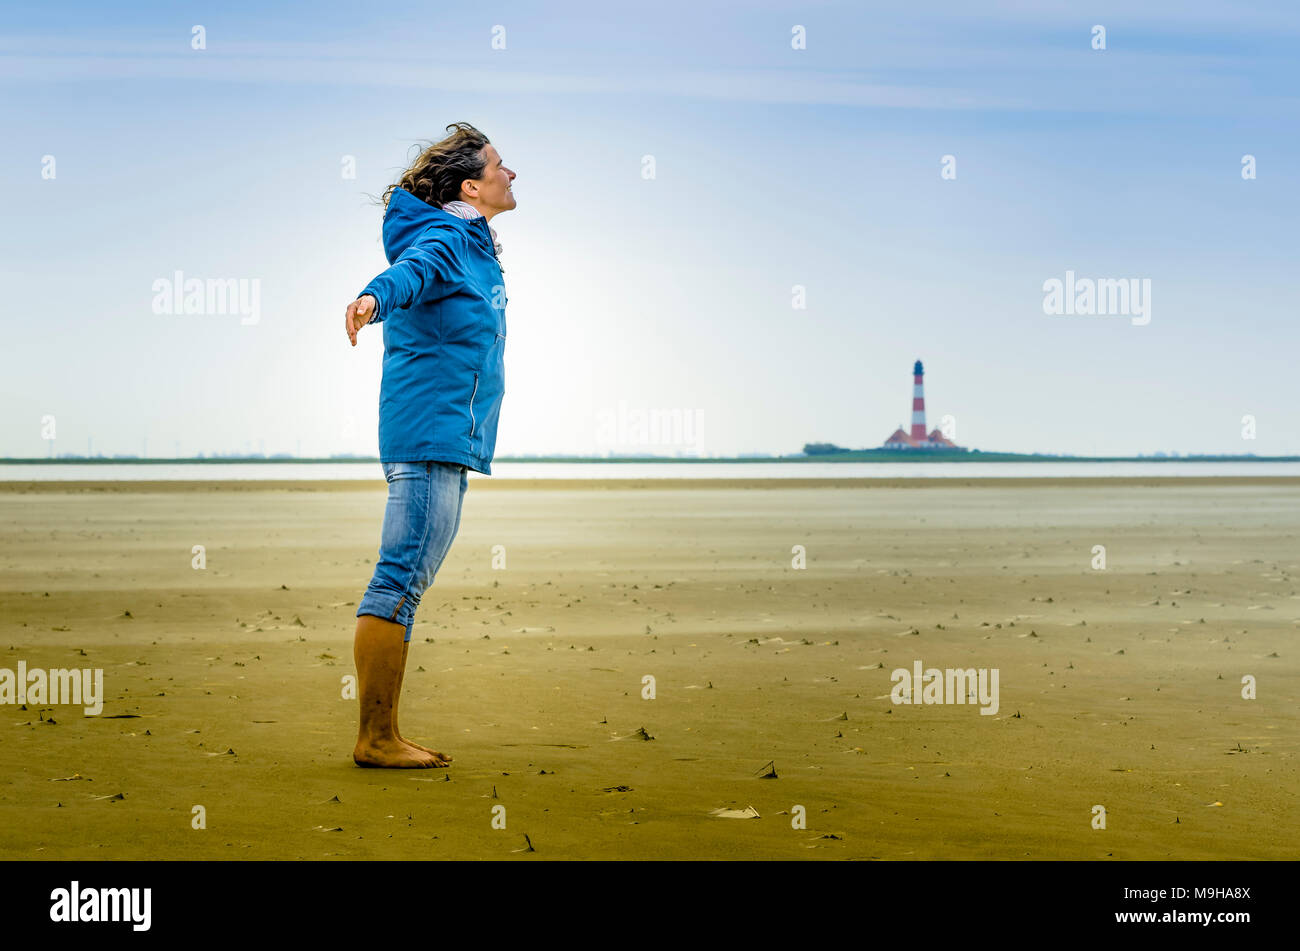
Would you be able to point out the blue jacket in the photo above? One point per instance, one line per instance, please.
(443, 307)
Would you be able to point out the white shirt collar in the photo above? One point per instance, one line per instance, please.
(462, 209)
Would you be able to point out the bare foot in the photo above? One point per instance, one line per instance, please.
(443, 758)
(391, 754)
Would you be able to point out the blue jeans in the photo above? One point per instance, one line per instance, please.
(420, 521)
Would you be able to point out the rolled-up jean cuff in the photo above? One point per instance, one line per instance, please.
(421, 518)
(391, 607)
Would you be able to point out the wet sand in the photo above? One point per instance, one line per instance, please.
(1118, 687)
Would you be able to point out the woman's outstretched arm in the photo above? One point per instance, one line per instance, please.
(420, 274)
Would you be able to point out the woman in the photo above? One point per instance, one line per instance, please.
(442, 304)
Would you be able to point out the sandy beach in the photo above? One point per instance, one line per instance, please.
(770, 614)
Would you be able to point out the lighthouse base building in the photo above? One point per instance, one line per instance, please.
(935, 440)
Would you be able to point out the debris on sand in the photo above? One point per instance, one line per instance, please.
(640, 733)
(749, 812)
(768, 771)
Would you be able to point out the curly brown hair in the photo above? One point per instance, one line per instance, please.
(436, 174)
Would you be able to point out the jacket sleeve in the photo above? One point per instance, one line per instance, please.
(423, 273)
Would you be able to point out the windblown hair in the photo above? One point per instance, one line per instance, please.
(436, 175)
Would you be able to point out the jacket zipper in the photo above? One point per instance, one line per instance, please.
(473, 423)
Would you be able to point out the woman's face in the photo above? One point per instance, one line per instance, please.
(493, 189)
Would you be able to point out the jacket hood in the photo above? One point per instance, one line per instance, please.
(408, 217)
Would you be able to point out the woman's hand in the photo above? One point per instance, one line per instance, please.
(358, 315)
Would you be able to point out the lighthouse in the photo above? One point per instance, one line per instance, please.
(918, 439)
(918, 403)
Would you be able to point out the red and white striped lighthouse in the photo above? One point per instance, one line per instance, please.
(918, 404)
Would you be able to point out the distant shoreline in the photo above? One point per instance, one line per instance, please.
(505, 484)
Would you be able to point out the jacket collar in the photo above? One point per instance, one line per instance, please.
(463, 209)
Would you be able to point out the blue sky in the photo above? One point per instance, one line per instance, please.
(774, 168)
